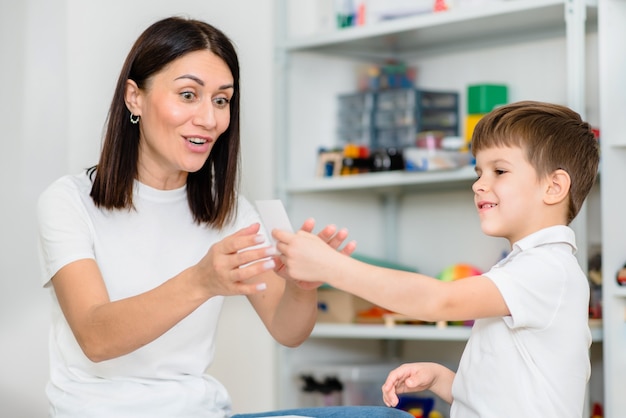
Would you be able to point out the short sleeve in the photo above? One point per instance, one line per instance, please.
(533, 286)
(246, 214)
(64, 229)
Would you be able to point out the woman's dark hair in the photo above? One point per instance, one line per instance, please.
(211, 191)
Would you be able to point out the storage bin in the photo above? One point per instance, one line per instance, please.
(483, 98)
(361, 101)
(359, 136)
(396, 116)
(395, 137)
(361, 383)
(337, 306)
(395, 99)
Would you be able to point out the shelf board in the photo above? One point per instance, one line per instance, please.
(405, 332)
(620, 292)
(386, 182)
(398, 332)
(431, 31)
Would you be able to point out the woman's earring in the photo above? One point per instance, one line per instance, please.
(134, 119)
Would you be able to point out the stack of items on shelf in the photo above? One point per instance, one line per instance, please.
(350, 13)
(360, 12)
(397, 127)
(357, 159)
(390, 75)
(389, 111)
(595, 284)
(482, 99)
(400, 115)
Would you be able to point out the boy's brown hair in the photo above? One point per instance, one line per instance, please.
(552, 136)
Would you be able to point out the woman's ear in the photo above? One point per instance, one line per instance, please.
(133, 97)
(559, 183)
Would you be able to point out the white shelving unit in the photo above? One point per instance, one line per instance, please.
(381, 209)
(402, 332)
(612, 59)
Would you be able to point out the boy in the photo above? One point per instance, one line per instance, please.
(528, 351)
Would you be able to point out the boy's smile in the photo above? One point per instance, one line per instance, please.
(507, 193)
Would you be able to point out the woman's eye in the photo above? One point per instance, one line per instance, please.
(188, 95)
(221, 102)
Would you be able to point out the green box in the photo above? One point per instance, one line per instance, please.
(483, 98)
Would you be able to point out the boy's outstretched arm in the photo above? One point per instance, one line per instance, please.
(417, 377)
(307, 257)
(332, 236)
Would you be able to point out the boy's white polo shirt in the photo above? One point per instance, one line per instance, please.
(534, 362)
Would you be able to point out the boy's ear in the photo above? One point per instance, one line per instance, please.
(558, 185)
(133, 97)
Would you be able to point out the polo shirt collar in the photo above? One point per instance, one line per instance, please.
(551, 235)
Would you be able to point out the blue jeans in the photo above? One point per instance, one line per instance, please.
(336, 412)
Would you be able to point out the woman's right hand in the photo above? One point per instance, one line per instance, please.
(231, 265)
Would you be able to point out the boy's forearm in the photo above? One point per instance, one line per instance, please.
(442, 386)
(400, 291)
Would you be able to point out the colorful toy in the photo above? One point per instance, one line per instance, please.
(418, 406)
(456, 272)
(621, 276)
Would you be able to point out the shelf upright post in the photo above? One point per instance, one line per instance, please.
(281, 168)
(281, 63)
(612, 66)
(575, 19)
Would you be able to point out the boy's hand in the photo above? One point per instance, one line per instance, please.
(417, 377)
(305, 256)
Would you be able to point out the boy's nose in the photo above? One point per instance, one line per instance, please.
(479, 186)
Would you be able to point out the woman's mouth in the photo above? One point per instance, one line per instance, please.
(197, 141)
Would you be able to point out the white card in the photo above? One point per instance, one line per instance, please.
(273, 216)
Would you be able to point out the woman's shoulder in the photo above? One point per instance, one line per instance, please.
(67, 186)
(245, 213)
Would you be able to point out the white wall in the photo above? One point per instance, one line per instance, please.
(60, 60)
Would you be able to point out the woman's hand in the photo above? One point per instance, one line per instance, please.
(230, 265)
(417, 377)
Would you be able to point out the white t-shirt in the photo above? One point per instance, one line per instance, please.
(136, 250)
(535, 362)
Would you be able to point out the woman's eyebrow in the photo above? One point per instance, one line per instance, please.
(191, 77)
(199, 81)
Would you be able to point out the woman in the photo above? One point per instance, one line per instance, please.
(141, 249)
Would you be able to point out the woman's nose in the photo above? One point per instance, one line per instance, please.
(205, 115)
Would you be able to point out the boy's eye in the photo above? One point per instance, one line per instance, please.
(499, 172)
